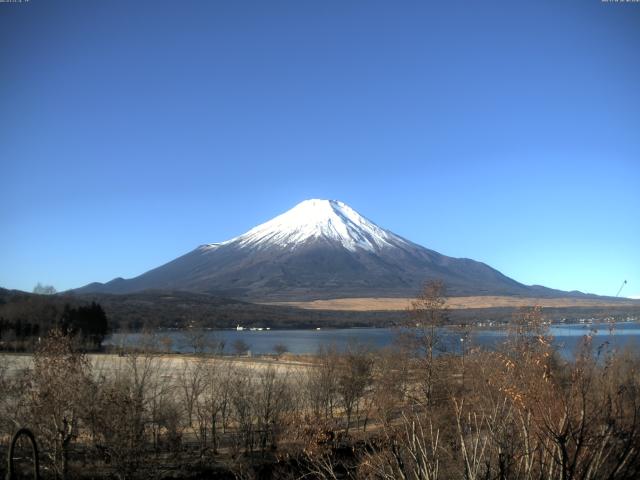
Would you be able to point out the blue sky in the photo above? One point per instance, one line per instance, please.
(503, 131)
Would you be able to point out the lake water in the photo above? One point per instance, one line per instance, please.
(566, 336)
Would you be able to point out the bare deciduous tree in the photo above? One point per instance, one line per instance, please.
(240, 347)
(273, 399)
(280, 349)
(354, 378)
(58, 390)
(217, 381)
(428, 313)
(390, 385)
(321, 384)
(242, 393)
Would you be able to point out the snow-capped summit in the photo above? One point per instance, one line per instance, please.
(315, 219)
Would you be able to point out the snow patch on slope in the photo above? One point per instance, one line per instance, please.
(319, 219)
(209, 246)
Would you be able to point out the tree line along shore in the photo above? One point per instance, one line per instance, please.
(25, 317)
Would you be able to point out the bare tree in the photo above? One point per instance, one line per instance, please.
(58, 395)
(321, 384)
(390, 384)
(273, 399)
(240, 347)
(167, 343)
(196, 337)
(217, 378)
(216, 343)
(242, 393)
(41, 289)
(428, 313)
(192, 383)
(354, 378)
(120, 426)
(280, 349)
(134, 399)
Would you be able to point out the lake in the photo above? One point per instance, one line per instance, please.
(566, 336)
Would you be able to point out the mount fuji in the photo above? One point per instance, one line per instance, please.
(319, 249)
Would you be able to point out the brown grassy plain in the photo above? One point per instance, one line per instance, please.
(454, 303)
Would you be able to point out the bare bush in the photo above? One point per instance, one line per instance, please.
(412, 452)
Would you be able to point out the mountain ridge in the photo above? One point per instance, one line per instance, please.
(320, 249)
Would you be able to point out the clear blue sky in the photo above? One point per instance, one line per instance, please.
(503, 131)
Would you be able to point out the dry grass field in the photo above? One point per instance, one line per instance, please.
(455, 303)
(171, 365)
